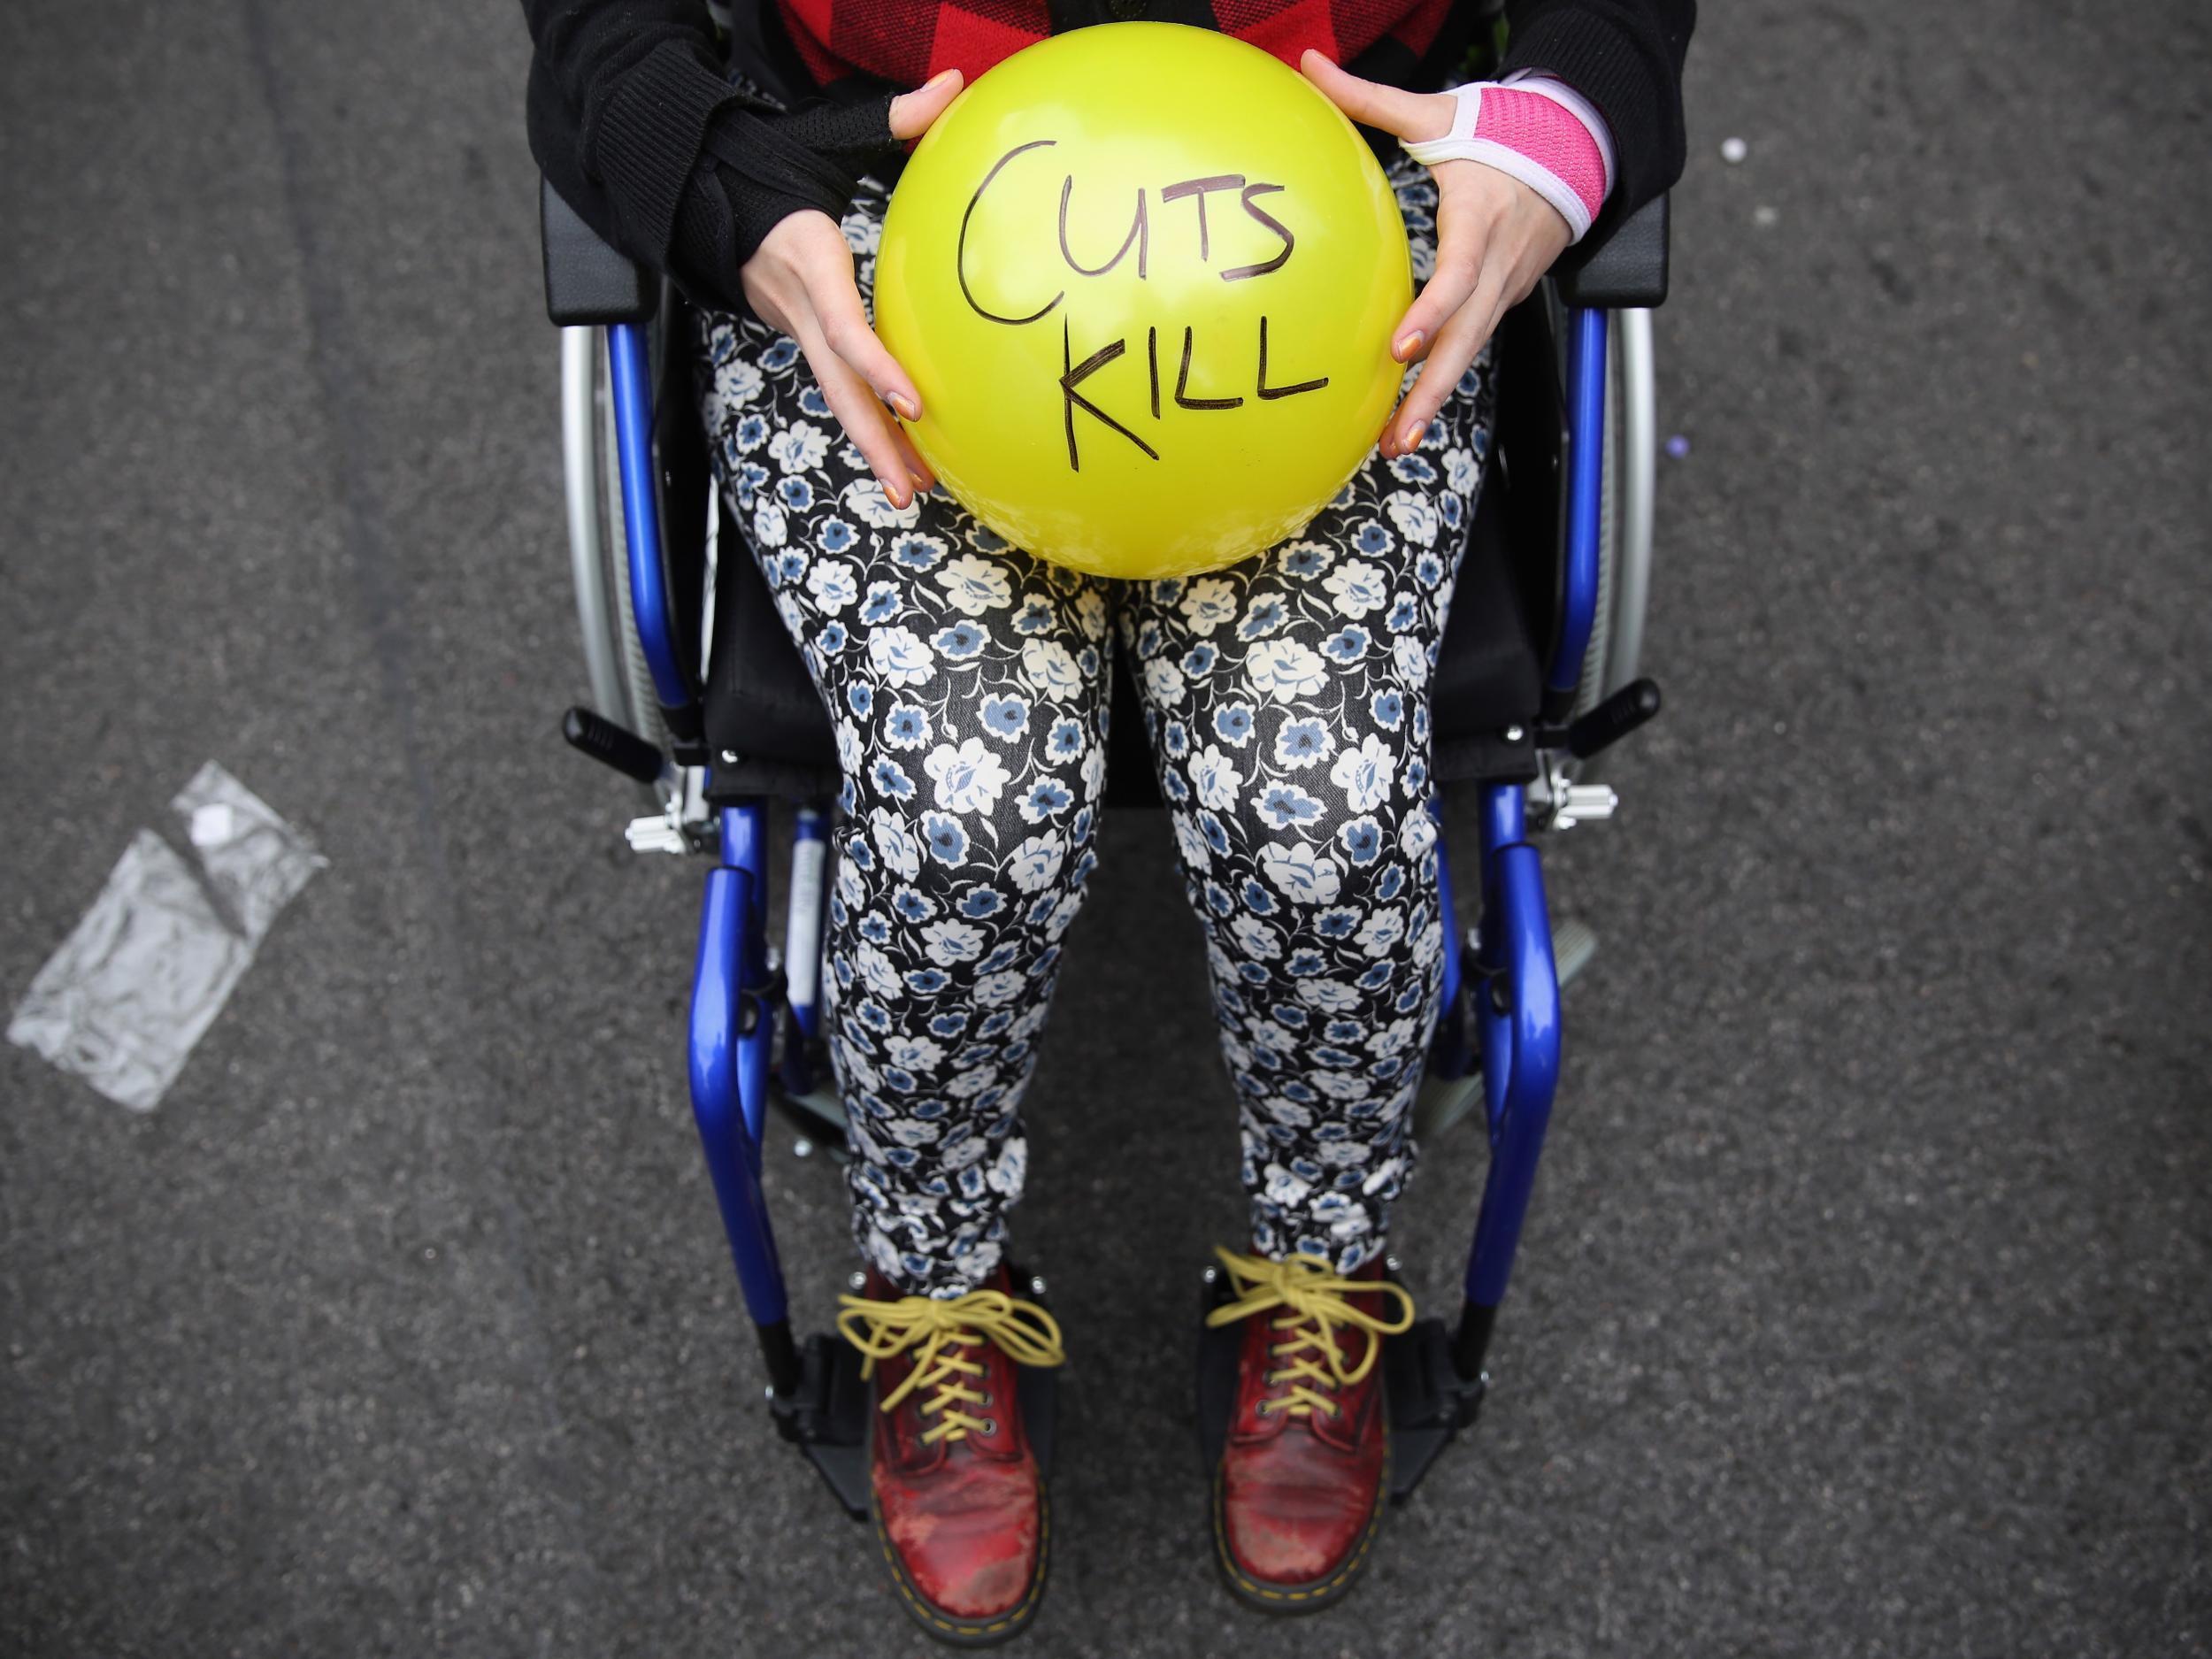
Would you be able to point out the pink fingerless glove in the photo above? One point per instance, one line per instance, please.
(1537, 129)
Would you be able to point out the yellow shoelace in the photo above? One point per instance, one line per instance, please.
(944, 1329)
(1314, 1300)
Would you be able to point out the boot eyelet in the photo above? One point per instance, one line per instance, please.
(990, 1425)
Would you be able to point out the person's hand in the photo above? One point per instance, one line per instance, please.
(800, 279)
(1494, 240)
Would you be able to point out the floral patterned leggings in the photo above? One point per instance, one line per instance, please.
(1286, 703)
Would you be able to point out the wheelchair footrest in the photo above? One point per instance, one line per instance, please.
(1429, 1402)
(828, 1416)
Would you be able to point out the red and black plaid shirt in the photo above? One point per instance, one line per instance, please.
(622, 91)
(905, 42)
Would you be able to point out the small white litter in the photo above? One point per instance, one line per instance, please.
(150, 965)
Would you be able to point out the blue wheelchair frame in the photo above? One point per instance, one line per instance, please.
(1514, 980)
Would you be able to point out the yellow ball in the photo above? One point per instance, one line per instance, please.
(1144, 277)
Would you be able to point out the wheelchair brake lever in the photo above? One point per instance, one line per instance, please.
(1613, 720)
(612, 745)
(1555, 800)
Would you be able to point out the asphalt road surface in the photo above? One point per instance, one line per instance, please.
(1864, 1309)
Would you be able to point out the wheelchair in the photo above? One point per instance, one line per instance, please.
(699, 695)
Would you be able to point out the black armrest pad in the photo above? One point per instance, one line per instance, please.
(1628, 268)
(586, 279)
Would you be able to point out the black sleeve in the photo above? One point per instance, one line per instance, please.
(759, 167)
(634, 123)
(621, 93)
(1625, 57)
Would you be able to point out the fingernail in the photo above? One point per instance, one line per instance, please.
(1413, 438)
(1408, 345)
(941, 76)
(921, 484)
(909, 410)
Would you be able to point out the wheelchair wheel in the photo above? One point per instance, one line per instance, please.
(621, 681)
(1595, 655)
(1624, 517)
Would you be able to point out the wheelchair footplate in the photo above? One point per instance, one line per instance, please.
(828, 1416)
(1427, 1401)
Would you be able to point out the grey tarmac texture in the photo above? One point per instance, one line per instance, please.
(1863, 1308)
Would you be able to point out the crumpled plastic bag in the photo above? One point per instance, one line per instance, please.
(149, 966)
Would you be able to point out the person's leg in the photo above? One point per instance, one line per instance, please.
(966, 686)
(965, 682)
(1287, 702)
(1287, 699)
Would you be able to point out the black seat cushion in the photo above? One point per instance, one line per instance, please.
(766, 730)
(1489, 674)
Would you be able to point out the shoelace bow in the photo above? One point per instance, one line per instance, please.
(944, 1329)
(1315, 1301)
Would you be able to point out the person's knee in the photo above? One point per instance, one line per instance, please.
(962, 867)
(979, 847)
(1352, 831)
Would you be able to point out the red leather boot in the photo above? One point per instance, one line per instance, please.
(1299, 1493)
(959, 1504)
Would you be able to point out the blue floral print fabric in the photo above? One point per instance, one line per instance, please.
(1286, 703)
